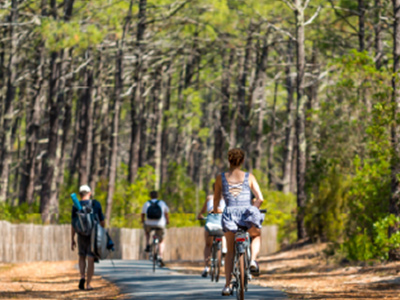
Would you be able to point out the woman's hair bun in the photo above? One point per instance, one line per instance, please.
(236, 157)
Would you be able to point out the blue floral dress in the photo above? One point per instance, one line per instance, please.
(239, 211)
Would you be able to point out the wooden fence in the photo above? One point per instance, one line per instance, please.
(28, 242)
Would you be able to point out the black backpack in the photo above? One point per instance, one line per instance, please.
(154, 212)
(84, 220)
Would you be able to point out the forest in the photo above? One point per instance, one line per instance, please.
(134, 95)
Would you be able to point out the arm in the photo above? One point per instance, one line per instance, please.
(203, 210)
(167, 217)
(144, 211)
(143, 218)
(217, 194)
(255, 188)
(73, 243)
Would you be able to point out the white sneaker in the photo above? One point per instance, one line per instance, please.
(226, 291)
(205, 272)
(254, 269)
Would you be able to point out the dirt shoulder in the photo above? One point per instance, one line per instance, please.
(306, 273)
(50, 280)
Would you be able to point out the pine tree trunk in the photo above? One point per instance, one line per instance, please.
(165, 127)
(272, 142)
(119, 83)
(159, 97)
(259, 96)
(300, 123)
(378, 35)
(222, 131)
(243, 130)
(27, 185)
(50, 163)
(361, 25)
(394, 204)
(136, 99)
(290, 126)
(96, 132)
(85, 128)
(8, 105)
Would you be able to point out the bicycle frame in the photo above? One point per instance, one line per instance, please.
(215, 261)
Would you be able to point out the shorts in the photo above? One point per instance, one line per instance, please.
(84, 248)
(160, 231)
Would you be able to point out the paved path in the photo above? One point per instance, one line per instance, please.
(137, 280)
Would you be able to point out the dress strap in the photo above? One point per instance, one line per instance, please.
(246, 178)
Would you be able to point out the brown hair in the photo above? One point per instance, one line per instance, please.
(154, 194)
(236, 157)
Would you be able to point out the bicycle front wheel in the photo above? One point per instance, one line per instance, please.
(240, 288)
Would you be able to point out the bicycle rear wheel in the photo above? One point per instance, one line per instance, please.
(240, 288)
(212, 262)
(155, 255)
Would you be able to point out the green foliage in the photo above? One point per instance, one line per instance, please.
(327, 205)
(281, 209)
(364, 246)
(181, 194)
(23, 213)
(383, 242)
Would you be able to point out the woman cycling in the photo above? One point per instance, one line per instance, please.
(235, 186)
(208, 207)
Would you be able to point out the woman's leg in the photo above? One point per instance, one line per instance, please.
(207, 248)
(230, 242)
(255, 234)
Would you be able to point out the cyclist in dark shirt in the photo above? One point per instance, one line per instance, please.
(84, 250)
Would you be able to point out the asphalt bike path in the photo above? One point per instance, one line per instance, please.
(137, 280)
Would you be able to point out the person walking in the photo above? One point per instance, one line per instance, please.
(209, 207)
(236, 186)
(84, 249)
(155, 216)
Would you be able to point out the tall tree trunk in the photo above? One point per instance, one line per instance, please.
(86, 127)
(272, 140)
(361, 25)
(96, 132)
(136, 99)
(159, 124)
(290, 126)
(222, 130)
(27, 185)
(243, 131)
(9, 104)
(394, 204)
(165, 127)
(50, 167)
(119, 83)
(259, 96)
(378, 35)
(300, 124)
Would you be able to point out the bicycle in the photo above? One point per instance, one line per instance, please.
(215, 262)
(154, 250)
(241, 263)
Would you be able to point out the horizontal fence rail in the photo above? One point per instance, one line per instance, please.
(28, 242)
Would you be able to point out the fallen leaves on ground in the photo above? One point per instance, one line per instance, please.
(306, 273)
(50, 280)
